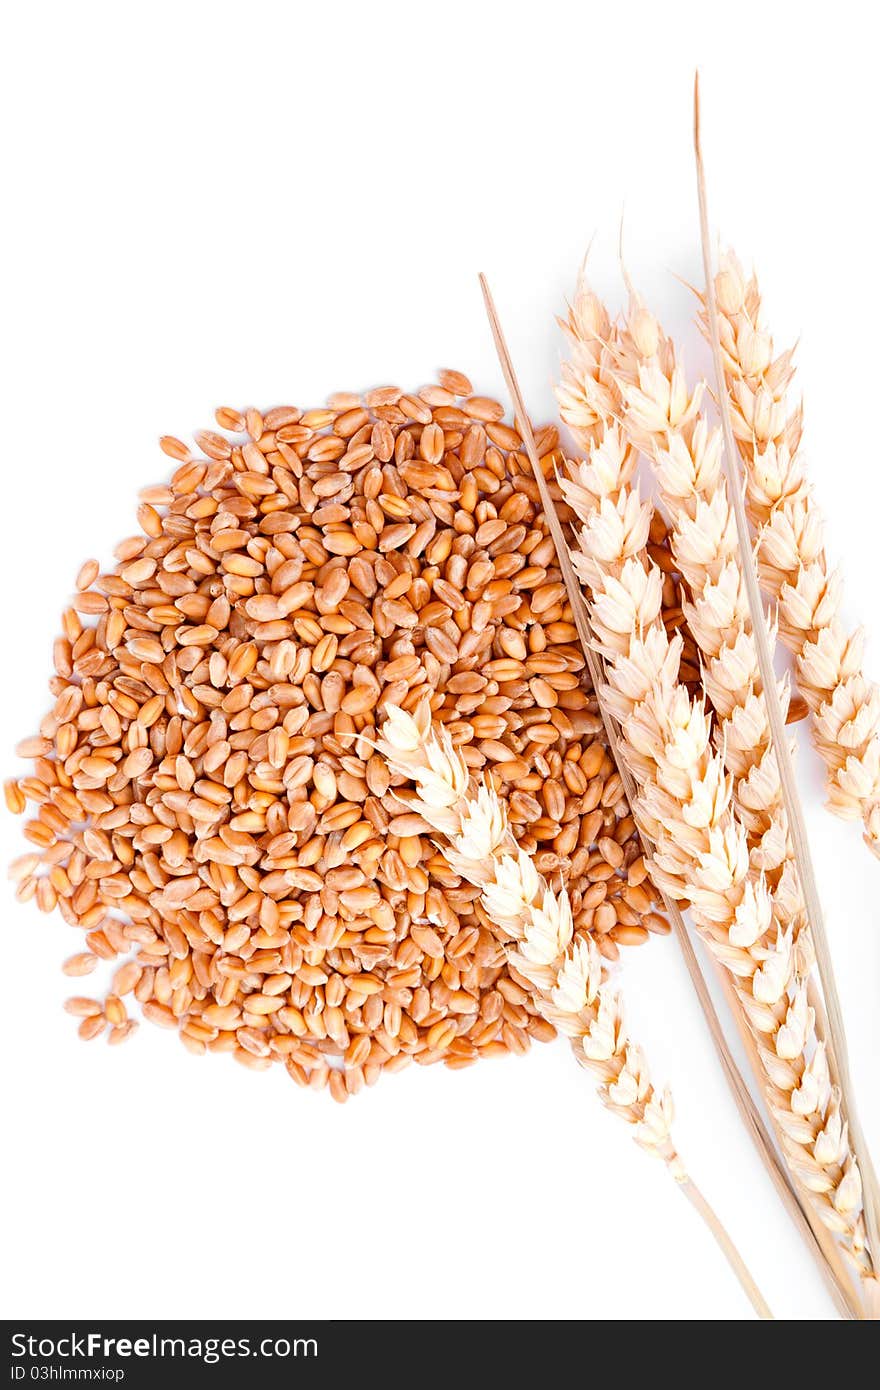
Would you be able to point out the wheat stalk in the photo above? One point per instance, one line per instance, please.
(793, 566)
(830, 1001)
(701, 847)
(568, 976)
(664, 419)
(586, 322)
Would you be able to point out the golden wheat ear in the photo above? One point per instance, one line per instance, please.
(562, 967)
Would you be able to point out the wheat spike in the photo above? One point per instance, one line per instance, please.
(565, 969)
(793, 566)
(569, 977)
(702, 847)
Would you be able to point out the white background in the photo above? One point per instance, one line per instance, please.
(255, 203)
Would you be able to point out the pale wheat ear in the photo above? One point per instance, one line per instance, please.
(563, 968)
(797, 826)
(797, 570)
(723, 636)
(767, 972)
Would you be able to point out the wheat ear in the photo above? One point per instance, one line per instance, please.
(702, 853)
(564, 969)
(829, 1001)
(664, 419)
(568, 976)
(586, 322)
(793, 566)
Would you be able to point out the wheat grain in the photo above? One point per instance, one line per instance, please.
(793, 566)
(83, 963)
(207, 807)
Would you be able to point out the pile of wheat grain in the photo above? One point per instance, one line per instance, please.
(210, 807)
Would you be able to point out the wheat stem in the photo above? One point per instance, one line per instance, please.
(698, 1202)
(701, 846)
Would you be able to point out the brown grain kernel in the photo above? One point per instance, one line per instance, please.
(174, 448)
(455, 382)
(482, 408)
(592, 760)
(637, 872)
(122, 1032)
(82, 1007)
(87, 574)
(92, 1027)
(159, 1013)
(114, 1010)
(126, 977)
(604, 918)
(610, 851)
(81, 964)
(629, 935)
(655, 923)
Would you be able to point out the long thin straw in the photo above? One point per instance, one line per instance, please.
(693, 1194)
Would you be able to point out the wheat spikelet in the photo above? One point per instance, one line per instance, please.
(588, 394)
(563, 967)
(702, 847)
(794, 569)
